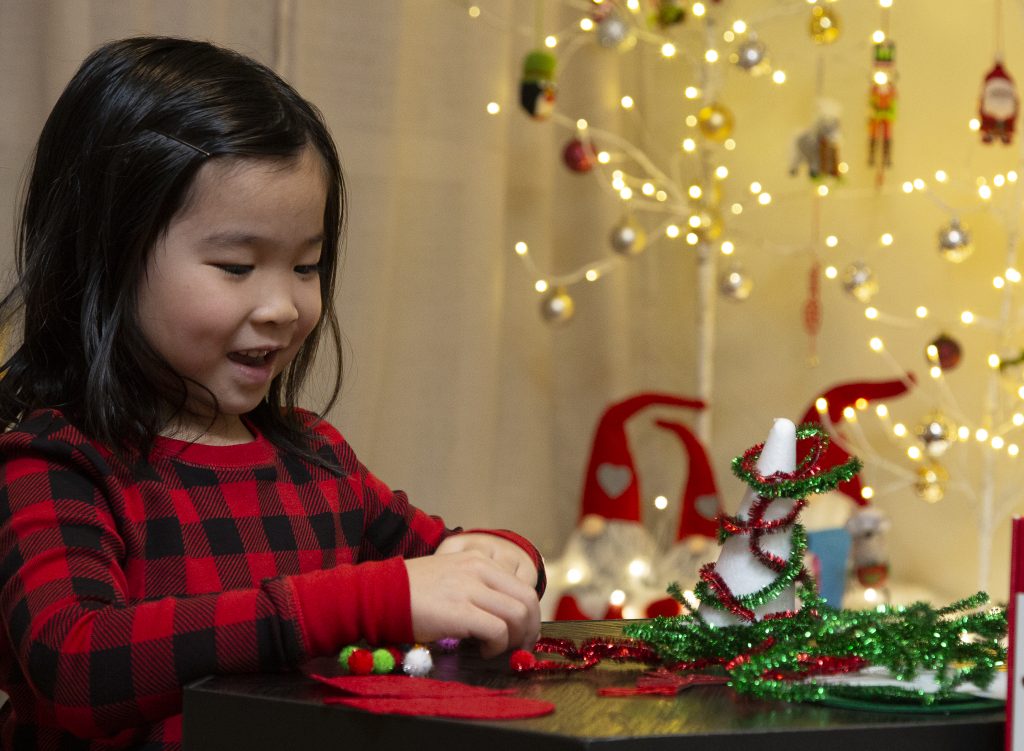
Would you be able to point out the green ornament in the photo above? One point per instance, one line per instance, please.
(383, 661)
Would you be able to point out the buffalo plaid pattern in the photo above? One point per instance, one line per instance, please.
(121, 583)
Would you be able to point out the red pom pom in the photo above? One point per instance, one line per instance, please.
(360, 662)
(521, 660)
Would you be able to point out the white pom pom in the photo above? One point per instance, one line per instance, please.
(417, 662)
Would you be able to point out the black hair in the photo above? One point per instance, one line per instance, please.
(115, 161)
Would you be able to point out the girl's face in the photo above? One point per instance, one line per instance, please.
(232, 288)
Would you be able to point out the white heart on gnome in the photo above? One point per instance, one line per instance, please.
(614, 479)
(707, 506)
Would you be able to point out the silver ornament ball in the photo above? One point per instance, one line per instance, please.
(628, 238)
(615, 33)
(750, 54)
(955, 242)
(936, 434)
(859, 280)
(735, 284)
(557, 306)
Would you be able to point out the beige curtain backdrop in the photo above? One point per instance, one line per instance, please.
(455, 388)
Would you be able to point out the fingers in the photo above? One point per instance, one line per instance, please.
(468, 594)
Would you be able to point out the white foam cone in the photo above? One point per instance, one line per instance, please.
(737, 566)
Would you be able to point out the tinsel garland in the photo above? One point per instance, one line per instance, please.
(779, 658)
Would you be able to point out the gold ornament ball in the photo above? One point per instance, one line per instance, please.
(931, 482)
(859, 280)
(557, 306)
(715, 122)
(824, 25)
(628, 238)
(955, 242)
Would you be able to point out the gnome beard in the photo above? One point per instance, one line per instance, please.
(737, 566)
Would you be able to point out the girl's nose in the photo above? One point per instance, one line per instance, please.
(276, 305)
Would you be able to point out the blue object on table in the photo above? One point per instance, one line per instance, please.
(832, 547)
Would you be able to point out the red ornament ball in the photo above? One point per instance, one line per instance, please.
(579, 156)
(521, 660)
(945, 351)
(360, 662)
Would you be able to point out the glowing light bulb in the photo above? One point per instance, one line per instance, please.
(541, 285)
(985, 192)
(691, 92)
(919, 184)
(692, 238)
(908, 187)
(721, 172)
(574, 575)
(672, 231)
(899, 430)
(974, 124)
(914, 453)
(876, 344)
(821, 404)
(522, 248)
(963, 432)
(626, 102)
(922, 312)
(698, 9)
(739, 26)
(550, 42)
(1013, 449)
(831, 272)
(668, 50)
(822, 190)
(617, 597)
(935, 371)
(647, 189)
(993, 361)
(997, 442)
(661, 503)
(592, 275)
(941, 176)
(689, 145)
(849, 414)
(728, 248)
(878, 36)
(981, 435)
(882, 411)
(1013, 275)
(764, 199)
(867, 492)
(831, 241)
(967, 317)
(604, 157)
(711, 56)
(861, 403)
(871, 313)
(998, 282)
(779, 77)
(1018, 419)
(695, 192)
(587, 24)
(638, 567)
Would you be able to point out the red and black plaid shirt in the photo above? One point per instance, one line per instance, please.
(120, 584)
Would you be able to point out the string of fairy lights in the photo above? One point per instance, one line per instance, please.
(694, 201)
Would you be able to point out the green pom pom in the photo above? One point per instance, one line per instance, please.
(383, 661)
(345, 654)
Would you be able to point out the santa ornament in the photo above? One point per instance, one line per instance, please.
(997, 110)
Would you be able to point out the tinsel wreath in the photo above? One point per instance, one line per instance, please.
(786, 656)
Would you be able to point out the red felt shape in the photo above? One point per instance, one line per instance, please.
(478, 708)
(399, 694)
(404, 687)
(664, 682)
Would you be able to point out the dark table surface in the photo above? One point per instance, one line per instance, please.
(285, 712)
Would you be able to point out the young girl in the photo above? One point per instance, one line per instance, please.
(166, 511)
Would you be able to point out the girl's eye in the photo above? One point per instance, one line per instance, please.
(307, 269)
(235, 269)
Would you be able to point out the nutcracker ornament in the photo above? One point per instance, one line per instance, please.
(537, 88)
(882, 103)
(998, 107)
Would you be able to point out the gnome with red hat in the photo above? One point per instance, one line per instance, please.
(611, 566)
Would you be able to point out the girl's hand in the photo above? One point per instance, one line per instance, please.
(467, 594)
(504, 552)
